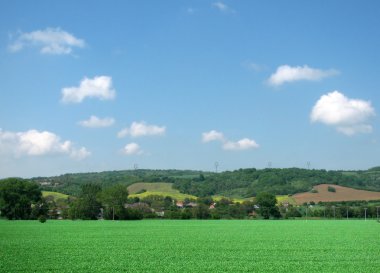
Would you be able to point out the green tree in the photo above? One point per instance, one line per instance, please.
(267, 203)
(202, 212)
(87, 206)
(18, 197)
(114, 198)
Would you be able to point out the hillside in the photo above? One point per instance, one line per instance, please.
(54, 195)
(341, 193)
(71, 183)
(242, 183)
(142, 190)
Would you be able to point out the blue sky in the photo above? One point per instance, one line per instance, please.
(183, 84)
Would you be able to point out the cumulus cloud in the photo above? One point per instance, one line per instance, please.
(36, 143)
(132, 149)
(212, 136)
(139, 129)
(222, 7)
(348, 116)
(99, 87)
(286, 73)
(50, 41)
(95, 122)
(243, 144)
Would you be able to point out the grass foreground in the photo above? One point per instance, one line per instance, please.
(190, 246)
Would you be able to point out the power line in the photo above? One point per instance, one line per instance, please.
(216, 164)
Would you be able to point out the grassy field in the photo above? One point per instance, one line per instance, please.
(166, 189)
(190, 246)
(163, 189)
(55, 195)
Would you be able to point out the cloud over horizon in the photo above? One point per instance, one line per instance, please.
(95, 122)
(286, 73)
(98, 87)
(36, 143)
(348, 116)
(139, 129)
(54, 41)
(240, 145)
(212, 136)
(132, 149)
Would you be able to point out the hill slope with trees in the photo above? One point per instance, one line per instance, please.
(240, 183)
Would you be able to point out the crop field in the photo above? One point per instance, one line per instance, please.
(190, 246)
(341, 194)
(55, 195)
(162, 189)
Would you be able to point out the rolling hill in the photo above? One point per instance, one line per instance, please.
(341, 193)
(238, 184)
(142, 190)
(54, 195)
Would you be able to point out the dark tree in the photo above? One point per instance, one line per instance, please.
(114, 198)
(18, 197)
(202, 212)
(87, 206)
(267, 203)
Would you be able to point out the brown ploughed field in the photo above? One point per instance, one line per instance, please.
(341, 194)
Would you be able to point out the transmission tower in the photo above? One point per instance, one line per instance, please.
(216, 164)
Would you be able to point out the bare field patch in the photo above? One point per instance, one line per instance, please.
(322, 194)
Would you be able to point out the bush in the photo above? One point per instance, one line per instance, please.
(331, 189)
(42, 218)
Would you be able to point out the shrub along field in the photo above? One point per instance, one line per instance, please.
(190, 246)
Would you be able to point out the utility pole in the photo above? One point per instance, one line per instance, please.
(334, 211)
(365, 214)
(377, 213)
(216, 164)
(347, 212)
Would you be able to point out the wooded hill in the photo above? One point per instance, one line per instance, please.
(236, 184)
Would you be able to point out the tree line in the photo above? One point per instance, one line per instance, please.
(239, 183)
(22, 200)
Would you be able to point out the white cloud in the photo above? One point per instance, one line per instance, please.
(95, 122)
(36, 143)
(286, 73)
(212, 136)
(50, 41)
(138, 129)
(349, 116)
(222, 7)
(132, 149)
(80, 153)
(99, 87)
(243, 144)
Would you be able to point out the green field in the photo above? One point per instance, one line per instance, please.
(55, 195)
(190, 246)
(162, 189)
